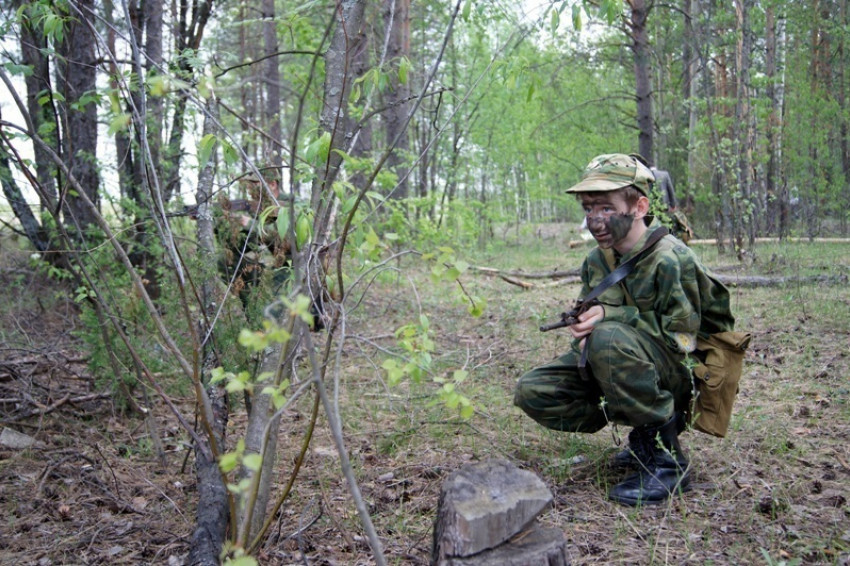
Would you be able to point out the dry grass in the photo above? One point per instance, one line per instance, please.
(774, 490)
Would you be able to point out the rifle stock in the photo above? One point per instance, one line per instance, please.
(570, 317)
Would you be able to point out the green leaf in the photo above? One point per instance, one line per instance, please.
(354, 95)
(157, 85)
(255, 341)
(383, 81)
(317, 152)
(46, 128)
(345, 157)
(611, 10)
(228, 462)
(452, 401)
(253, 462)
(23, 70)
(403, 68)
(217, 374)
(467, 411)
(242, 561)
(205, 149)
(231, 155)
(554, 21)
(452, 274)
(477, 307)
(205, 87)
(303, 230)
(394, 377)
(120, 122)
(349, 204)
(577, 16)
(239, 487)
(460, 375)
(467, 8)
(282, 222)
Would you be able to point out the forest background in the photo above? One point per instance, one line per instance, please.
(409, 141)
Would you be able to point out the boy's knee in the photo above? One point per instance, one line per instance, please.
(521, 392)
(610, 337)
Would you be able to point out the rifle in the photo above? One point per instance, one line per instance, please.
(581, 305)
(570, 317)
(236, 205)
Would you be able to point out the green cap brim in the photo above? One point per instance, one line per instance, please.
(596, 185)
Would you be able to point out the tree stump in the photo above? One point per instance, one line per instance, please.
(486, 517)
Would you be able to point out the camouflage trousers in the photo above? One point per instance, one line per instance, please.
(632, 380)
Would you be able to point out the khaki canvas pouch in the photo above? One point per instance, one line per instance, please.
(716, 379)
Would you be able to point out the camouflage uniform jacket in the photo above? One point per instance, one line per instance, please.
(673, 297)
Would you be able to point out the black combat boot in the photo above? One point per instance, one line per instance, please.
(663, 472)
(632, 455)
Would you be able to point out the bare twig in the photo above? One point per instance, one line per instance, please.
(347, 470)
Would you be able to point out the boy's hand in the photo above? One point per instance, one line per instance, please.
(587, 320)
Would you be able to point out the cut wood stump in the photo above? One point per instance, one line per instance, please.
(537, 546)
(487, 516)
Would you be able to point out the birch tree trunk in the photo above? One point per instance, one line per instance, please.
(742, 224)
(213, 500)
(694, 76)
(338, 81)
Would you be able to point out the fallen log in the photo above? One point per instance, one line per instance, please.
(517, 282)
(528, 285)
(712, 241)
(554, 274)
(755, 281)
(739, 281)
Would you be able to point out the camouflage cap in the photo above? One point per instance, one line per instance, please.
(614, 171)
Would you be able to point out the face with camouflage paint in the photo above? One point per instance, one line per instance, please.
(609, 218)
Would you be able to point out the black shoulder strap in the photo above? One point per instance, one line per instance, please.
(621, 272)
(612, 279)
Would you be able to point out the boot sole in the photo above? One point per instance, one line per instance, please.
(635, 502)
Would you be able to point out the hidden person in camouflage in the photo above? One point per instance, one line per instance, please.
(249, 248)
(665, 193)
(636, 340)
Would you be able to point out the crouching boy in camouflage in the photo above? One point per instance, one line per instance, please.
(635, 341)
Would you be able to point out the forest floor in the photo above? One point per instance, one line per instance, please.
(92, 489)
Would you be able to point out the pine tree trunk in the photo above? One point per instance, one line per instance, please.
(397, 23)
(271, 78)
(643, 83)
(76, 69)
